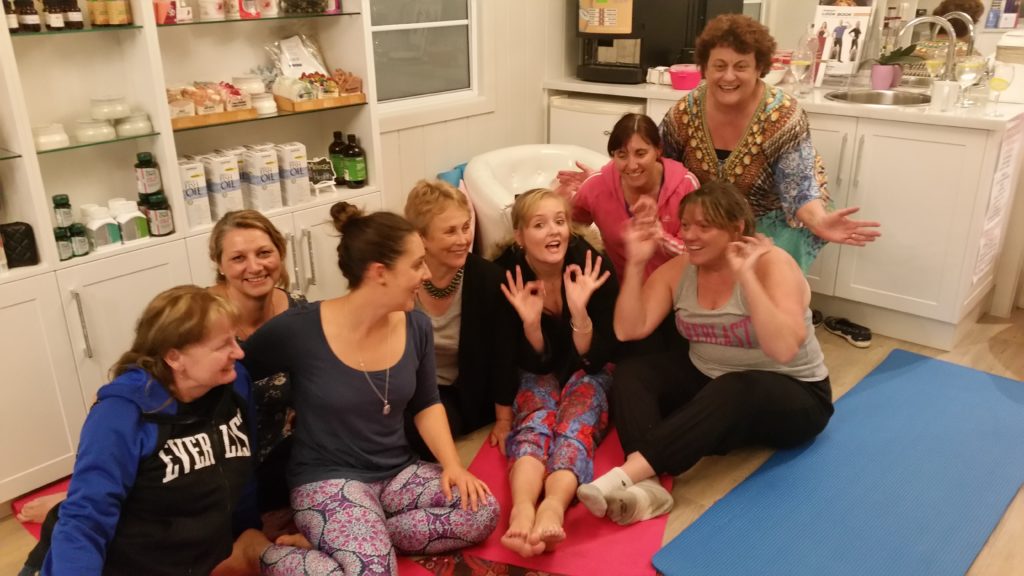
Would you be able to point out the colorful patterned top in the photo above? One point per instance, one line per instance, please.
(774, 164)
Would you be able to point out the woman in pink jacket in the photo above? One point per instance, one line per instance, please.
(636, 171)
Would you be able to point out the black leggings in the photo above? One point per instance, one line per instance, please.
(674, 415)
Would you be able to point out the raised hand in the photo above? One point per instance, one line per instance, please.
(527, 298)
(580, 284)
(643, 233)
(569, 181)
(839, 228)
(744, 253)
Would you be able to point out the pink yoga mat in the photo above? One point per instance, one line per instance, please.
(34, 527)
(592, 545)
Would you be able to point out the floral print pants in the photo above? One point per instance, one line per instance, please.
(560, 426)
(357, 527)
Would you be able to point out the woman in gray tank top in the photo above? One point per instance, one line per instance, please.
(754, 374)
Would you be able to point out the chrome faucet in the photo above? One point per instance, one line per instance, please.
(950, 73)
(969, 22)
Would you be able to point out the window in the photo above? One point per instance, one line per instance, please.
(422, 48)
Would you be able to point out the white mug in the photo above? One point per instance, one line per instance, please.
(944, 95)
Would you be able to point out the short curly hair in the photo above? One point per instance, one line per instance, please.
(973, 8)
(741, 33)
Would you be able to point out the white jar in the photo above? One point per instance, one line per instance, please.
(137, 124)
(100, 228)
(264, 104)
(109, 107)
(250, 83)
(50, 136)
(89, 131)
(133, 224)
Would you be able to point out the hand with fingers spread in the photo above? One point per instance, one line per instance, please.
(527, 298)
(744, 253)
(839, 228)
(642, 236)
(580, 284)
(472, 490)
(569, 181)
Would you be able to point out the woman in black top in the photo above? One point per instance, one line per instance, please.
(473, 324)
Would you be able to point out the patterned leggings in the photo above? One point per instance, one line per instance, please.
(560, 427)
(357, 527)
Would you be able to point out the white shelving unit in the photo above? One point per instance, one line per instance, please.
(92, 302)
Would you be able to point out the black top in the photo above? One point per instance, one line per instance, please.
(487, 344)
(559, 356)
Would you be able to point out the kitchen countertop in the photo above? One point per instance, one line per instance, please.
(973, 117)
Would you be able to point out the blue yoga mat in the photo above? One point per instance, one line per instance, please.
(911, 476)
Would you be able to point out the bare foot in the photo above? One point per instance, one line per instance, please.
(547, 526)
(245, 555)
(516, 537)
(297, 540)
(36, 510)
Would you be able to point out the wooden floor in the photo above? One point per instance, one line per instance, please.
(994, 345)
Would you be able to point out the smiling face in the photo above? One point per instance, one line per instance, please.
(405, 277)
(544, 232)
(637, 162)
(249, 262)
(731, 77)
(206, 364)
(447, 238)
(705, 243)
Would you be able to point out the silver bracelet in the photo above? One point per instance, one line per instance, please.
(587, 330)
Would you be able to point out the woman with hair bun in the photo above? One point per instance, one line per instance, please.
(357, 363)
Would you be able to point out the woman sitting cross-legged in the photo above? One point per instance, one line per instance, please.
(564, 294)
(755, 373)
(357, 363)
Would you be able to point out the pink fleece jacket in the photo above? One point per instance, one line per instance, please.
(600, 200)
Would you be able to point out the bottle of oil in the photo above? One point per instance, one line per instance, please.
(355, 163)
(337, 154)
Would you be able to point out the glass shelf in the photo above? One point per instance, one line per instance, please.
(8, 155)
(281, 17)
(280, 114)
(49, 33)
(91, 144)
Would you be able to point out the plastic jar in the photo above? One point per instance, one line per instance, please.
(133, 224)
(161, 222)
(109, 107)
(79, 240)
(137, 124)
(100, 228)
(250, 83)
(264, 104)
(89, 131)
(50, 136)
(64, 249)
(62, 211)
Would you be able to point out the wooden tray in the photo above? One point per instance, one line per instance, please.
(184, 122)
(319, 103)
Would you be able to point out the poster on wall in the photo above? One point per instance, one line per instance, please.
(606, 16)
(841, 26)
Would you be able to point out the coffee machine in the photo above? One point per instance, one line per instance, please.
(621, 39)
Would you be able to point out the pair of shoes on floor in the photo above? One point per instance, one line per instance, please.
(855, 334)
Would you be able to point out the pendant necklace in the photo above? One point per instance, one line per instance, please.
(387, 378)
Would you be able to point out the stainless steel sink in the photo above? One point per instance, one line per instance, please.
(880, 97)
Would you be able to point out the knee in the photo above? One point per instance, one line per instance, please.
(485, 518)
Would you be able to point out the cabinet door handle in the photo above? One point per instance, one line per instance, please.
(295, 262)
(81, 319)
(308, 237)
(607, 132)
(856, 161)
(839, 168)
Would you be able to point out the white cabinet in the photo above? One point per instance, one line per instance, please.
(587, 121)
(928, 187)
(657, 109)
(312, 259)
(102, 302)
(42, 409)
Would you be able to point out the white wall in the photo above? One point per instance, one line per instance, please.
(531, 41)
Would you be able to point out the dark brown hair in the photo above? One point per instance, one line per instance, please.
(723, 205)
(174, 319)
(247, 220)
(365, 239)
(973, 8)
(741, 33)
(627, 126)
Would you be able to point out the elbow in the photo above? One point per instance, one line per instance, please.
(624, 333)
(783, 354)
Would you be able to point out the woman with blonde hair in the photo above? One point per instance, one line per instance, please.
(473, 324)
(564, 294)
(165, 451)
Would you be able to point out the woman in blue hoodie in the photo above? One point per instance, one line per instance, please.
(165, 451)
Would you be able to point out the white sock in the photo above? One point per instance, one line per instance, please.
(644, 500)
(593, 494)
